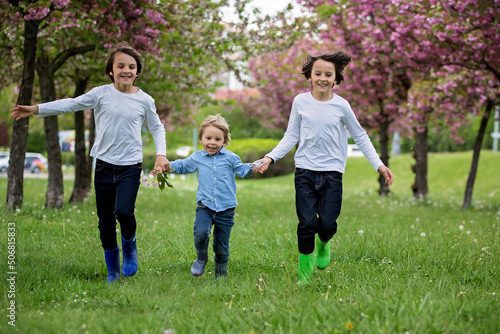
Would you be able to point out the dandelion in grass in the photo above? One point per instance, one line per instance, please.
(422, 234)
(349, 326)
(461, 227)
(360, 232)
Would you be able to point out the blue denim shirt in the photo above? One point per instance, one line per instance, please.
(216, 184)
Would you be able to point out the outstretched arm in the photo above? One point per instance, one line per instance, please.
(387, 174)
(19, 112)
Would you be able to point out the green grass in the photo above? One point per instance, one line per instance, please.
(385, 275)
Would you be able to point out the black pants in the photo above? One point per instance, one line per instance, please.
(116, 190)
(318, 200)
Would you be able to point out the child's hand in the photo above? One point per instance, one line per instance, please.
(387, 174)
(256, 166)
(19, 112)
(262, 164)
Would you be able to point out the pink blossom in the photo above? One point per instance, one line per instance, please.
(60, 3)
(37, 13)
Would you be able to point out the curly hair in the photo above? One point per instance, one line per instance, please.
(340, 60)
(123, 47)
(218, 122)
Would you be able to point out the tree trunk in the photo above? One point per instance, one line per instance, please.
(475, 156)
(55, 188)
(15, 174)
(384, 156)
(81, 187)
(420, 151)
(46, 71)
(90, 161)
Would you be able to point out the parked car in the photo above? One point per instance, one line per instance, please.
(354, 151)
(4, 164)
(183, 151)
(34, 162)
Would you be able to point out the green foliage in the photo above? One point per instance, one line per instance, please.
(240, 125)
(398, 265)
(68, 158)
(441, 139)
(36, 142)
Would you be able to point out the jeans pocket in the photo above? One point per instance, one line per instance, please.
(335, 177)
(300, 171)
(99, 165)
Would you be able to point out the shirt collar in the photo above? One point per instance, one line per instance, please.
(222, 151)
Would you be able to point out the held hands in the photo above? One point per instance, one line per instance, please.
(387, 174)
(19, 112)
(261, 165)
(162, 164)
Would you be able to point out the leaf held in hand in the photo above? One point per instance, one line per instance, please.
(161, 180)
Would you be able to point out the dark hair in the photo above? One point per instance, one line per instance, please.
(123, 47)
(340, 60)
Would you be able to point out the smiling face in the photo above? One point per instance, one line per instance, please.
(322, 79)
(212, 140)
(124, 72)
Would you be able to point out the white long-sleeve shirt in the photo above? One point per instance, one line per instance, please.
(119, 118)
(320, 129)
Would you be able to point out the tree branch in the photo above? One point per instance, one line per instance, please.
(61, 58)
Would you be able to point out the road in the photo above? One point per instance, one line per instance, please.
(42, 175)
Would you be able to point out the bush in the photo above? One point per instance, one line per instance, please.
(253, 149)
(68, 158)
(36, 142)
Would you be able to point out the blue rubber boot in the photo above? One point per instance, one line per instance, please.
(130, 265)
(198, 267)
(112, 258)
(220, 270)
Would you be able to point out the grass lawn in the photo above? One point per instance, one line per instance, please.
(398, 265)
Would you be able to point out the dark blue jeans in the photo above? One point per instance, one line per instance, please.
(115, 193)
(223, 222)
(318, 200)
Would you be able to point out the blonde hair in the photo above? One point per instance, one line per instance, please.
(218, 122)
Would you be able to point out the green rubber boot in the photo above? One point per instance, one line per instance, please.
(306, 268)
(322, 253)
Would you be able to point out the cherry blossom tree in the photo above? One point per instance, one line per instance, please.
(462, 33)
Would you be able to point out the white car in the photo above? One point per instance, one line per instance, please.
(4, 164)
(34, 162)
(183, 151)
(354, 151)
